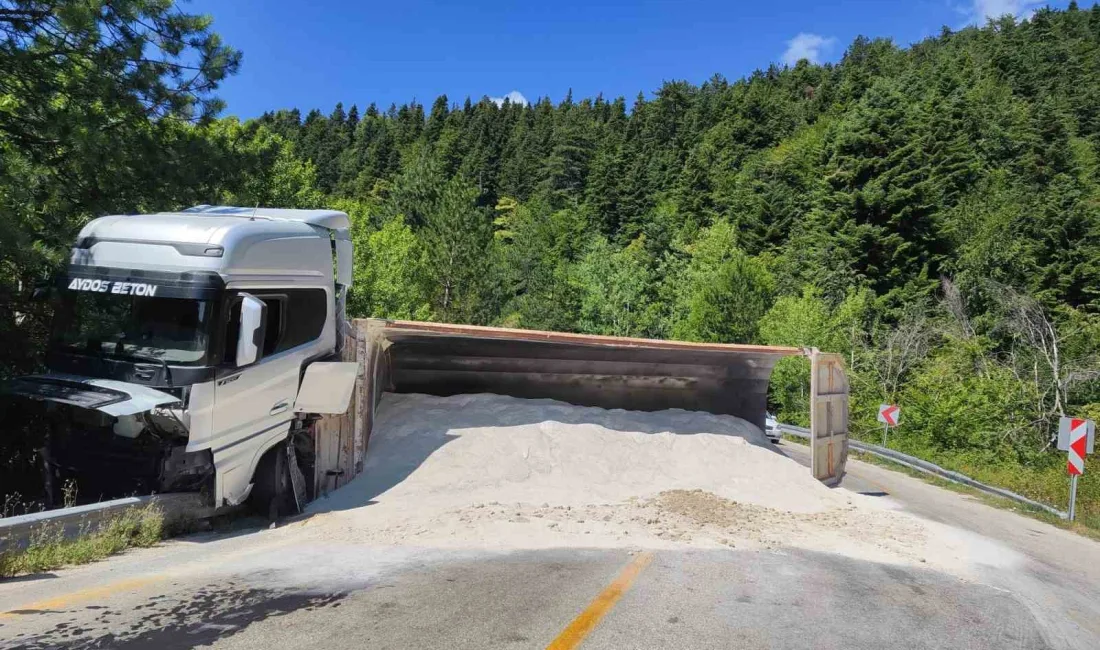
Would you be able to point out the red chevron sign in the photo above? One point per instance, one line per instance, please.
(889, 414)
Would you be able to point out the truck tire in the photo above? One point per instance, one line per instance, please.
(272, 494)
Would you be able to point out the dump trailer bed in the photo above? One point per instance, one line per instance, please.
(587, 370)
(609, 372)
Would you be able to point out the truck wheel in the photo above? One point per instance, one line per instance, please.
(272, 494)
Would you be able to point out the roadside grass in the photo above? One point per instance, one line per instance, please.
(1086, 525)
(48, 548)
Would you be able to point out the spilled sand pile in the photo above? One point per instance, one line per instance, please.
(500, 473)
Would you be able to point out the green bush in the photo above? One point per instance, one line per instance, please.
(961, 399)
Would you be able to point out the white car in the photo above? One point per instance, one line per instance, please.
(771, 428)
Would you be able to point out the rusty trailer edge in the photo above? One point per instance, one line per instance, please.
(388, 325)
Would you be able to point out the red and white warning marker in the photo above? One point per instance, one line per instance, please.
(1077, 436)
(889, 414)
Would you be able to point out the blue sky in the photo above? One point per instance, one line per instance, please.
(315, 53)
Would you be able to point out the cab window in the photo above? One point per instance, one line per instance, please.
(294, 317)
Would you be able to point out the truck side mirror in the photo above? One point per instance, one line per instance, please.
(250, 338)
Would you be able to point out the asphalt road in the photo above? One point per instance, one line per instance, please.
(255, 588)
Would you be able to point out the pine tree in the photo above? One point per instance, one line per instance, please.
(692, 193)
(565, 170)
(457, 236)
(521, 157)
(418, 189)
(437, 118)
(602, 201)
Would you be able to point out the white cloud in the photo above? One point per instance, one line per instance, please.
(807, 46)
(516, 97)
(983, 10)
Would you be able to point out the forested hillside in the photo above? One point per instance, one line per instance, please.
(933, 211)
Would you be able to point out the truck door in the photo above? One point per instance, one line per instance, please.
(828, 417)
(255, 404)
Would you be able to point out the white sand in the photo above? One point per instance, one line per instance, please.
(499, 473)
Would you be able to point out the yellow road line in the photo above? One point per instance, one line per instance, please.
(85, 594)
(130, 584)
(586, 621)
(880, 486)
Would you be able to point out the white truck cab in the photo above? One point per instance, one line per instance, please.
(181, 344)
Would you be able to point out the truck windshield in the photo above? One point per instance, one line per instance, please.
(173, 330)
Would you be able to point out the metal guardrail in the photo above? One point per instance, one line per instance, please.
(921, 465)
(16, 532)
